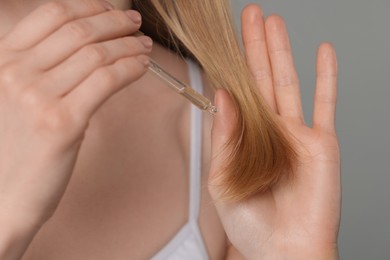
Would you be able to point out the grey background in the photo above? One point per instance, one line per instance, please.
(360, 33)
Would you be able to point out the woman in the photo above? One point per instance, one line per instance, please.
(86, 174)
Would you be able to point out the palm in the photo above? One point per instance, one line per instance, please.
(307, 208)
(304, 210)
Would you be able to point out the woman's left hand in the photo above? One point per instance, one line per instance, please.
(296, 219)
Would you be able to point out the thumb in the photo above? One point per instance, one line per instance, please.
(225, 122)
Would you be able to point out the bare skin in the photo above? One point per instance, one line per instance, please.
(298, 218)
(117, 196)
(101, 181)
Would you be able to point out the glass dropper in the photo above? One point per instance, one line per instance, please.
(179, 87)
(183, 89)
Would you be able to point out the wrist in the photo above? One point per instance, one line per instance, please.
(298, 252)
(16, 235)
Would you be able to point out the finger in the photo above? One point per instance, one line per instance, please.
(76, 34)
(285, 78)
(48, 18)
(224, 125)
(78, 67)
(326, 89)
(85, 99)
(254, 39)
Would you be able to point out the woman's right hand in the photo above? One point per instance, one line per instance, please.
(57, 67)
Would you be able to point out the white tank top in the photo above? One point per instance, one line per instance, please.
(188, 243)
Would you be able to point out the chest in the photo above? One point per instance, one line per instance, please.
(129, 193)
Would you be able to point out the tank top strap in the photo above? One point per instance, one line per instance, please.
(188, 243)
(195, 144)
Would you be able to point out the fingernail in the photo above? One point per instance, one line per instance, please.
(134, 16)
(146, 41)
(107, 5)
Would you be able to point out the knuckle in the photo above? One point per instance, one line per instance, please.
(285, 51)
(106, 77)
(255, 41)
(261, 74)
(55, 121)
(60, 126)
(286, 81)
(96, 53)
(56, 9)
(79, 29)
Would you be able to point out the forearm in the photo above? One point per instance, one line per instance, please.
(233, 254)
(15, 237)
(328, 253)
(298, 253)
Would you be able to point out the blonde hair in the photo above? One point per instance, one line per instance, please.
(260, 152)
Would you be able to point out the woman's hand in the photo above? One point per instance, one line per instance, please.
(57, 67)
(296, 219)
